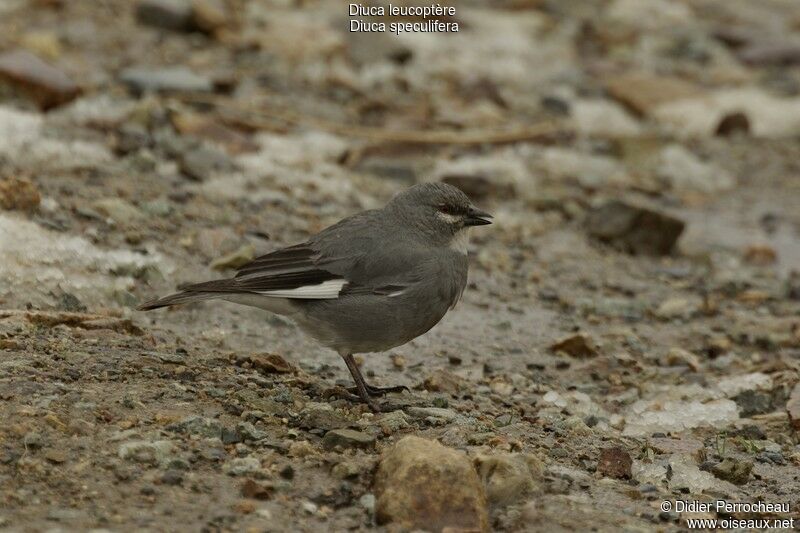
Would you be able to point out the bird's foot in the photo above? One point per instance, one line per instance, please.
(352, 395)
(379, 391)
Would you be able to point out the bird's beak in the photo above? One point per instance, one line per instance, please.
(476, 217)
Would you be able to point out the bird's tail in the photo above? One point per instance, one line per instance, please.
(184, 297)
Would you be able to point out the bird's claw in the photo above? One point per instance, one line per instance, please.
(380, 391)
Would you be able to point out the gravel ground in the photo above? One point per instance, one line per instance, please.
(629, 339)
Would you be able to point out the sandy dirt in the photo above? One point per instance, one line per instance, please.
(624, 379)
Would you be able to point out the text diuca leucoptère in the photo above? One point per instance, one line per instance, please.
(430, 18)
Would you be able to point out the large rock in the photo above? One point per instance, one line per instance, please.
(44, 84)
(635, 229)
(643, 93)
(421, 484)
(347, 438)
(657, 416)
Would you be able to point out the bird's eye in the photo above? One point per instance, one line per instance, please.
(447, 209)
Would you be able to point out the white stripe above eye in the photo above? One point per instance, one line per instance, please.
(326, 290)
(450, 219)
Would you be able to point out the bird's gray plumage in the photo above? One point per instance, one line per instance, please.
(370, 282)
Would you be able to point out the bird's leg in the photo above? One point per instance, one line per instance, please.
(372, 391)
(361, 385)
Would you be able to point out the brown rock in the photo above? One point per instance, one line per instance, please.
(204, 127)
(44, 84)
(634, 229)
(733, 470)
(209, 15)
(11, 344)
(678, 356)
(19, 194)
(508, 478)
(793, 407)
(271, 363)
(56, 456)
(253, 489)
(760, 255)
(443, 381)
(120, 325)
(615, 462)
(717, 346)
(244, 507)
(642, 93)
(774, 53)
(733, 124)
(421, 484)
(580, 345)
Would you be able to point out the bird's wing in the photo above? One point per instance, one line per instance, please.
(291, 272)
(350, 257)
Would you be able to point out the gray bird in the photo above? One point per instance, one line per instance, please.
(372, 281)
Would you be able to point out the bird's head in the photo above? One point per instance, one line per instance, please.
(440, 210)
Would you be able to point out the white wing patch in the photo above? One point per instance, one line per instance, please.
(326, 290)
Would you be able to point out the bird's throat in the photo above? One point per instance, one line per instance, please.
(460, 241)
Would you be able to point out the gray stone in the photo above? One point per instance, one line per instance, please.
(33, 440)
(160, 207)
(167, 79)
(198, 425)
(242, 466)
(391, 422)
(438, 413)
(148, 452)
(172, 477)
(508, 478)
(321, 416)
(347, 438)
(249, 432)
(173, 15)
(119, 210)
(202, 162)
(753, 402)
